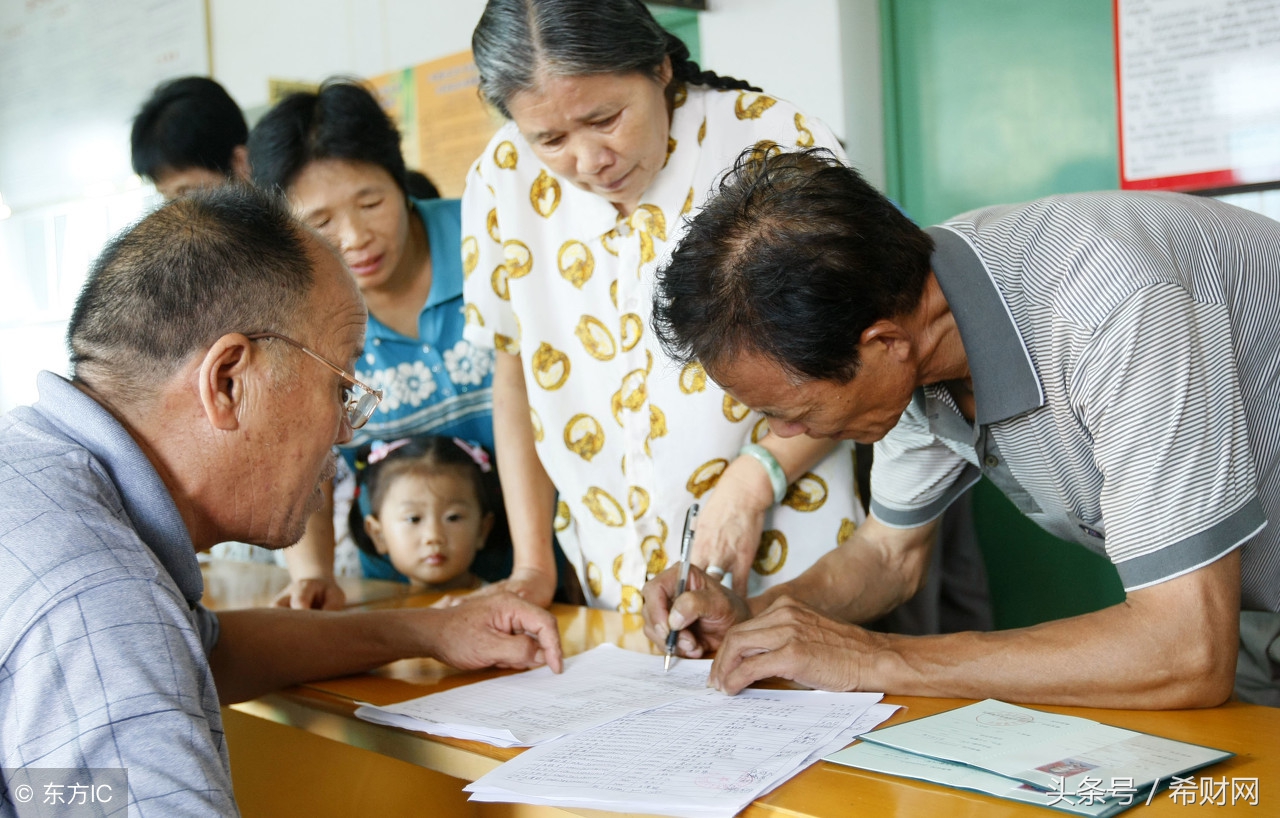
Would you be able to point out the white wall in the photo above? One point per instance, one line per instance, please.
(255, 40)
(821, 55)
(863, 95)
(795, 50)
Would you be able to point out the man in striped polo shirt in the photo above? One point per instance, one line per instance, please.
(1111, 361)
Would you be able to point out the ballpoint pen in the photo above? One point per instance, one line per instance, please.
(686, 557)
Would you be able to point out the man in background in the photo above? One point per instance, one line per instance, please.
(190, 134)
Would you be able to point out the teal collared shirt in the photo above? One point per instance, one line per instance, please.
(437, 383)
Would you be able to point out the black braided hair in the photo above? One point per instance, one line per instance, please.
(516, 40)
(687, 71)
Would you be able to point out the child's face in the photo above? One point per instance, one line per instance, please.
(430, 526)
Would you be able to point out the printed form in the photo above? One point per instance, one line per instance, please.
(706, 757)
(536, 706)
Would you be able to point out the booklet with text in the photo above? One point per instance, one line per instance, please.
(1065, 762)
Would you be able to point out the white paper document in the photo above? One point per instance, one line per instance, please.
(703, 756)
(1047, 750)
(877, 758)
(529, 708)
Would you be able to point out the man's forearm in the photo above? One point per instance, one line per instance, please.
(871, 573)
(1169, 646)
(264, 649)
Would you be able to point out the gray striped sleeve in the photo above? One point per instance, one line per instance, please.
(1157, 391)
(915, 475)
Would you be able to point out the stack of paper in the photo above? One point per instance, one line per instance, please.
(529, 708)
(615, 732)
(700, 758)
(1064, 762)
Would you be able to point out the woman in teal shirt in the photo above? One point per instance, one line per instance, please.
(336, 156)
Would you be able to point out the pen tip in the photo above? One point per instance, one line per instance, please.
(666, 663)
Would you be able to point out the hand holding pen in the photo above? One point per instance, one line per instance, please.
(686, 558)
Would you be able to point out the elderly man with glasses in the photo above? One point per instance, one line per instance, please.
(211, 348)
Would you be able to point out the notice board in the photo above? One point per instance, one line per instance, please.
(444, 125)
(75, 73)
(1199, 93)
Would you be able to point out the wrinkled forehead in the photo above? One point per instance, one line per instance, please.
(335, 304)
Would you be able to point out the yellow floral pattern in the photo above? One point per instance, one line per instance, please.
(807, 493)
(649, 224)
(603, 507)
(705, 477)
(638, 501)
(491, 226)
(734, 410)
(804, 136)
(550, 367)
(538, 432)
(752, 105)
(505, 155)
(693, 378)
(563, 518)
(596, 338)
(632, 330)
(470, 256)
(545, 194)
(584, 436)
(517, 262)
(772, 554)
(576, 263)
(847, 527)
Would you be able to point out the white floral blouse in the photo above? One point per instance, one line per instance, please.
(630, 439)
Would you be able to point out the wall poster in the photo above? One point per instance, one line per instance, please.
(1197, 90)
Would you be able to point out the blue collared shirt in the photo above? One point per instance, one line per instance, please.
(103, 641)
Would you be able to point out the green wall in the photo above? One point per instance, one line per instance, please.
(993, 101)
(684, 24)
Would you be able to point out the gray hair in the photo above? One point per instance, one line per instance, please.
(228, 260)
(515, 39)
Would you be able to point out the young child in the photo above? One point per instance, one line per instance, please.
(429, 508)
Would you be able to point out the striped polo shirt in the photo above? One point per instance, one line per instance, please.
(1125, 355)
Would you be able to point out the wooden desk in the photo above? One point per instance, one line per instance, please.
(229, 585)
(307, 740)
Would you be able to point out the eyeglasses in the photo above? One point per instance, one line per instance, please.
(358, 399)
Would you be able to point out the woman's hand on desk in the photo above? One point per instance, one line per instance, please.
(321, 593)
(730, 521)
(703, 613)
(496, 630)
(530, 584)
